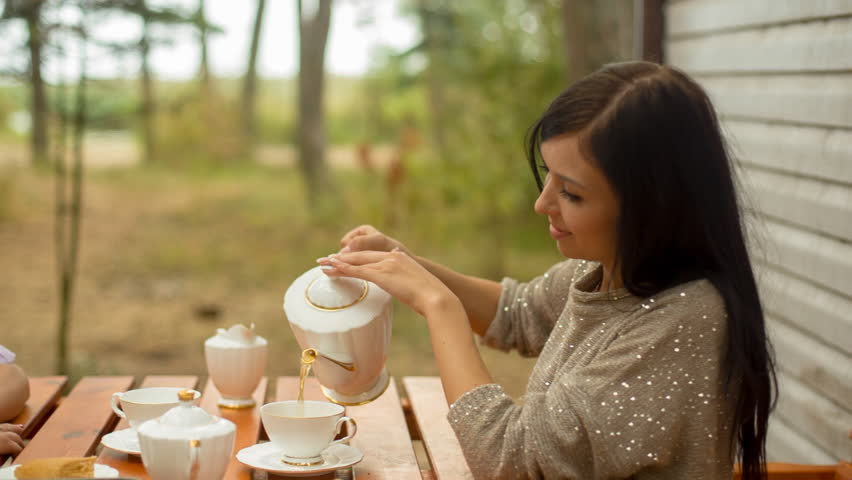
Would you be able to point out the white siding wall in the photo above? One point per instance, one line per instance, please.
(780, 74)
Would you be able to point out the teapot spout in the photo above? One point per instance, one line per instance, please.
(309, 355)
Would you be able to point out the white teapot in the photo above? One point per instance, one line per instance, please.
(347, 323)
(186, 443)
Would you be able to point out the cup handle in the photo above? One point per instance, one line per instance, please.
(352, 427)
(116, 407)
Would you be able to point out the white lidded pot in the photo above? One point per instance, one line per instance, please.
(347, 322)
(186, 443)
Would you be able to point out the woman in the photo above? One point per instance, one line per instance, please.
(653, 358)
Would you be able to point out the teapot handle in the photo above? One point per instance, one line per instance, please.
(194, 456)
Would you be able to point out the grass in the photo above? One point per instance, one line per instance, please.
(162, 248)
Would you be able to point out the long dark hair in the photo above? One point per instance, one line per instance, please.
(654, 134)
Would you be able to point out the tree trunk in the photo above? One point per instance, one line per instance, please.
(250, 80)
(147, 110)
(313, 33)
(71, 215)
(434, 84)
(204, 68)
(38, 135)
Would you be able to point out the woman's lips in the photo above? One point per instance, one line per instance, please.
(556, 233)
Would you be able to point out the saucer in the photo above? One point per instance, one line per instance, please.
(101, 471)
(124, 441)
(264, 456)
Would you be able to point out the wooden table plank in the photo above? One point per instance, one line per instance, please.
(44, 394)
(384, 438)
(430, 411)
(247, 421)
(131, 465)
(78, 423)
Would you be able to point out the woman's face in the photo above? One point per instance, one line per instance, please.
(578, 201)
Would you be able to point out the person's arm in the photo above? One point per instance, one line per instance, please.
(14, 391)
(478, 296)
(459, 364)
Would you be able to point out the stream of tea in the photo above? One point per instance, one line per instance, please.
(309, 356)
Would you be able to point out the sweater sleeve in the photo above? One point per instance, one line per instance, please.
(651, 388)
(527, 312)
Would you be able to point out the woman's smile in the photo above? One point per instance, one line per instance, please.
(557, 233)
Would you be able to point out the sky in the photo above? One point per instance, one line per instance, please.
(347, 52)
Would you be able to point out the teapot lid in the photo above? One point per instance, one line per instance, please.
(335, 293)
(324, 304)
(186, 420)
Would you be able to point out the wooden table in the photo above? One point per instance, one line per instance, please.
(401, 438)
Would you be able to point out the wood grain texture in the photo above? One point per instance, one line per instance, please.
(813, 99)
(812, 204)
(810, 46)
(821, 421)
(819, 366)
(821, 313)
(384, 438)
(812, 152)
(44, 394)
(430, 409)
(783, 443)
(76, 426)
(131, 465)
(701, 17)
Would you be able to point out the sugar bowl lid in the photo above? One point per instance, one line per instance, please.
(186, 421)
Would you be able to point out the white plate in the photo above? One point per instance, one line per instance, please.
(264, 456)
(101, 471)
(124, 441)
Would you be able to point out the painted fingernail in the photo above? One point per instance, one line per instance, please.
(345, 249)
(322, 259)
(326, 268)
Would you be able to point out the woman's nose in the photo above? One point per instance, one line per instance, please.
(543, 203)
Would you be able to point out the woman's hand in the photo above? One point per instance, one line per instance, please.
(11, 442)
(366, 237)
(397, 273)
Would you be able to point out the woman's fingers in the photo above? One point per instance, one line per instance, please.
(357, 232)
(11, 427)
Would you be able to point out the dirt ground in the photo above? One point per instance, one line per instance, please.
(138, 308)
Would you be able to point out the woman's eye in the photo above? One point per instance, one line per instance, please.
(570, 196)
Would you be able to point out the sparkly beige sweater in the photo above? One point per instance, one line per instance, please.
(623, 388)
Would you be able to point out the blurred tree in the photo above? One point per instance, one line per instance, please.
(595, 33)
(30, 11)
(165, 15)
(250, 79)
(313, 33)
(203, 31)
(68, 205)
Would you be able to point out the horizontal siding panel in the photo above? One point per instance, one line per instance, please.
(811, 46)
(783, 444)
(704, 16)
(820, 367)
(804, 151)
(822, 260)
(813, 204)
(818, 419)
(824, 314)
(817, 99)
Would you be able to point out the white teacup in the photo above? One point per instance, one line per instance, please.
(141, 404)
(235, 365)
(301, 431)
